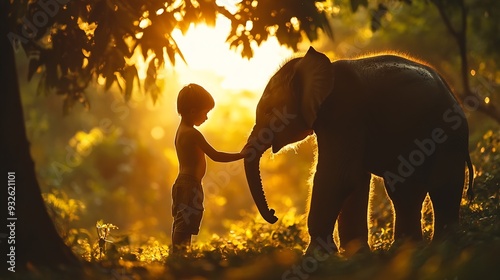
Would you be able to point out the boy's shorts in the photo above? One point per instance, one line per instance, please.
(187, 204)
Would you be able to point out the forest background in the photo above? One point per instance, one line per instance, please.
(112, 161)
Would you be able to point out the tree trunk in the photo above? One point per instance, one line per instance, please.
(28, 236)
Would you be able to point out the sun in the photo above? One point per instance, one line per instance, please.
(210, 59)
(234, 82)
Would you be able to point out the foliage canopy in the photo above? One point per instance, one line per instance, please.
(74, 42)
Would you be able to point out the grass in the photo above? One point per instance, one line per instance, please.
(466, 255)
(253, 249)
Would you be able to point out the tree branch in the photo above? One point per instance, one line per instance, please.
(223, 11)
(460, 37)
(447, 22)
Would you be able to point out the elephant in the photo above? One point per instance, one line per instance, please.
(386, 115)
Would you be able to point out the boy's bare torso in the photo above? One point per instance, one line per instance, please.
(191, 156)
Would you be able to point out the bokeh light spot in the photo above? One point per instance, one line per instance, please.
(157, 132)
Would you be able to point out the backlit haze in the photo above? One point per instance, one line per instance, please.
(205, 50)
(119, 160)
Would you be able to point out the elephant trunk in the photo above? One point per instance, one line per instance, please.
(252, 172)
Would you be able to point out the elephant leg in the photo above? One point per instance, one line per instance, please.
(446, 207)
(446, 193)
(328, 196)
(339, 173)
(407, 199)
(352, 222)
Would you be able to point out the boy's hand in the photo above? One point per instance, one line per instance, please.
(247, 150)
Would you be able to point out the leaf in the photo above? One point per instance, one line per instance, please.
(179, 51)
(122, 46)
(154, 94)
(377, 15)
(356, 3)
(101, 39)
(118, 83)
(184, 26)
(247, 51)
(159, 54)
(129, 73)
(150, 81)
(150, 86)
(109, 81)
(208, 12)
(166, 22)
(171, 54)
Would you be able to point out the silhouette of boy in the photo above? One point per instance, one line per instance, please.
(193, 104)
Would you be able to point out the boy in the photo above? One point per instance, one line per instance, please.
(193, 104)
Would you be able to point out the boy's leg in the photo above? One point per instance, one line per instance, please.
(187, 210)
(180, 241)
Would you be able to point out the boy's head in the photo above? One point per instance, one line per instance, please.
(194, 97)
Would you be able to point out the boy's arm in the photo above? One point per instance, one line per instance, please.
(214, 154)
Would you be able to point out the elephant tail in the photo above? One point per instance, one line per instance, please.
(470, 191)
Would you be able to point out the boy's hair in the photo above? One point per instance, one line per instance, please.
(194, 97)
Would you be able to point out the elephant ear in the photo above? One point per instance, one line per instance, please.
(316, 81)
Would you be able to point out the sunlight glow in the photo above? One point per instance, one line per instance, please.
(230, 5)
(157, 132)
(220, 200)
(295, 23)
(144, 23)
(205, 50)
(335, 10)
